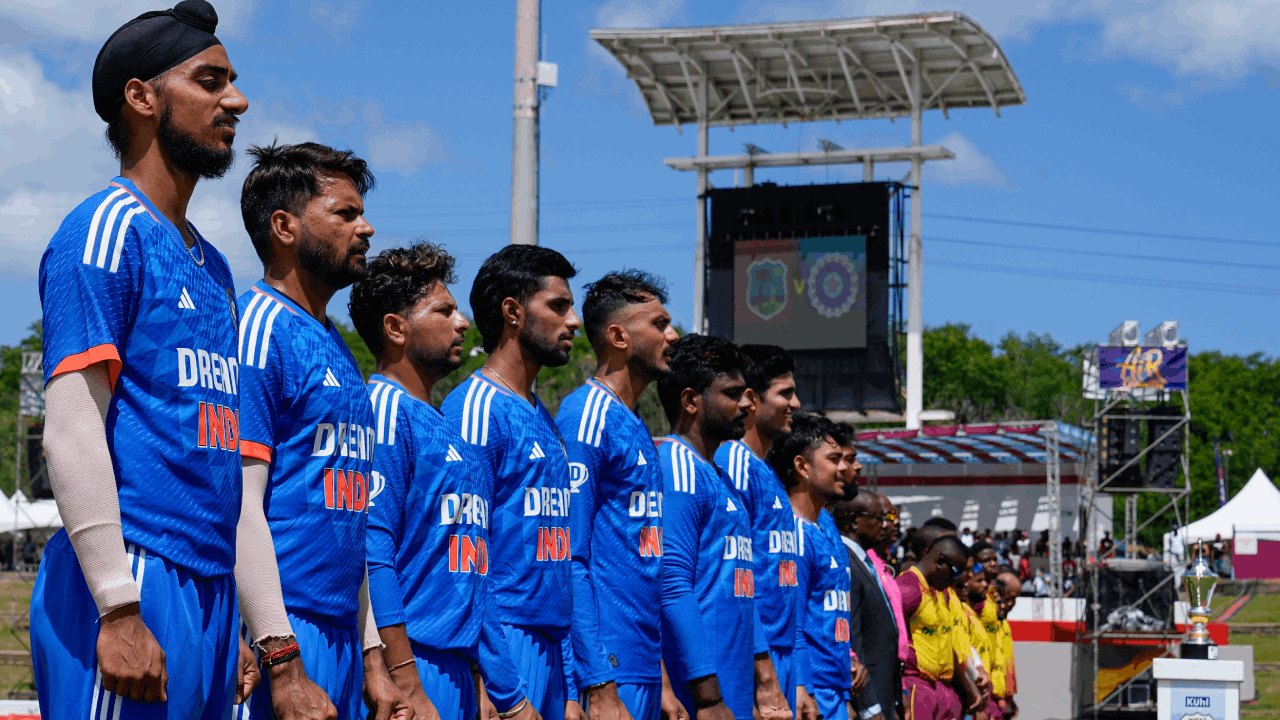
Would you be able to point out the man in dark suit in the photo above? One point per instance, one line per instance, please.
(873, 632)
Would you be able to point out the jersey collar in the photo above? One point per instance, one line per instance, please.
(379, 377)
(676, 439)
(263, 288)
(602, 386)
(128, 186)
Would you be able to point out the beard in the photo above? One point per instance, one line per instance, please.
(725, 429)
(647, 366)
(190, 156)
(545, 351)
(433, 362)
(323, 262)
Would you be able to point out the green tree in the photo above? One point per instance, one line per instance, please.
(10, 376)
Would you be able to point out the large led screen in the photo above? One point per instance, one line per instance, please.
(801, 294)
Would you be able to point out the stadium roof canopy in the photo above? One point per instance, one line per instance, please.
(821, 70)
(995, 453)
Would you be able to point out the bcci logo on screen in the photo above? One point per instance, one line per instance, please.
(766, 287)
(833, 285)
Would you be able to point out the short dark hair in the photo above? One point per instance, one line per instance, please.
(286, 177)
(808, 431)
(948, 540)
(515, 271)
(696, 361)
(941, 523)
(982, 545)
(844, 434)
(614, 291)
(767, 363)
(398, 278)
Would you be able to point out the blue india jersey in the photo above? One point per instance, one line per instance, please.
(428, 550)
(822, 647)
(519, 451)
(306, 411)
(617, 538)
(118, 285)
(773, 528)
(708, 581)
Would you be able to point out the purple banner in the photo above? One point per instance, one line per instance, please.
(1123, 368)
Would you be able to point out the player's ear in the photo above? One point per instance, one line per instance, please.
(752, 398)
(141, 98)
(617, 337)
(512, 312)
(394, 330)
(800, 464)
(690, 401)
(285, 228)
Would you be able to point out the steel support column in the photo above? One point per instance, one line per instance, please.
(915, 268)
(524, 155)
(1053, 473)
(700, 251)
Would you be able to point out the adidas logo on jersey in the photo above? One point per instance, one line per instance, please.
(537, 452)
(452, 455)
(731, 507)
(833, 563)
(184, 301)
(777, 504)
(641, 461)
(330, 380)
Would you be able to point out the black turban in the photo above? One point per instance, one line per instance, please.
(149, 45)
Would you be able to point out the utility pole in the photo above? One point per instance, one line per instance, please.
(915, 266)
(524, 156)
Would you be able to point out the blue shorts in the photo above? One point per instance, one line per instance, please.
(786, 671)
(538, 660)
(333, 658)
(832, 704)
(194, 619)
(447, 679)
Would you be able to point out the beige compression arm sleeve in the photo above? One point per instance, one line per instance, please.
(257, 574)
(84, 483)
(368, 626)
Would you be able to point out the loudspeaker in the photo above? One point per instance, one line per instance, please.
(37, 469)
(1162, 460)
(1120, 441)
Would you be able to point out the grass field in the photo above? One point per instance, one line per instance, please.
(1260, 609)
(15, 605)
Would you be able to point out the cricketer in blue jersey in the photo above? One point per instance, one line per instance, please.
(428, 540)
(134, 612)
(306, 418)
(771, 390)
(616, 523)
(524, 310)
(811, 463)
(710, 640)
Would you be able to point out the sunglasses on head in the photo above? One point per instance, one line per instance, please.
(874, 516)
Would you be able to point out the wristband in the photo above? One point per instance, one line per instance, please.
(284, 654)
(515, 710)
(708, 704)
(397, 666)
(597, 686)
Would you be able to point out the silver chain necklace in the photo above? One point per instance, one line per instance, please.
(196, 235)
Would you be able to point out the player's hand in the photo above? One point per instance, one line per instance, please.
(528, 712)
(131, 660)
(294, 696)
(806, 707)
(247, 675)
(719, 711)
(672, 708)
(984, 683)
(486, 709)
(410, 682)
(573, 710)
(386, 700)
(604, 704)
(771, 704)
(860, 676)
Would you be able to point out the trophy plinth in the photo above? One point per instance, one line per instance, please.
(1199, 581)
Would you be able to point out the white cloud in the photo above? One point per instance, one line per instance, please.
(403, 148)
(604, 74)
(637, 13)
(336, 17)
(970, 165)
(1222, 38)
(94, 19)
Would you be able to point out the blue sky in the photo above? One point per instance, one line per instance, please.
(1149, 116)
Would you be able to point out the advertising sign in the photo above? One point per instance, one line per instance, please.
(1190, 700)
(801, 294)
(1121, 368)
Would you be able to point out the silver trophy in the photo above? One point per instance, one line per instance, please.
(1199, 580)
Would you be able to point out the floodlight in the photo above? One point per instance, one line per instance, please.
(828, 146)
(1125, 335)
(752, 149)
(1164, 335)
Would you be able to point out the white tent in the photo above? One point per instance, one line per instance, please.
(19, 514)
(1256, 507)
